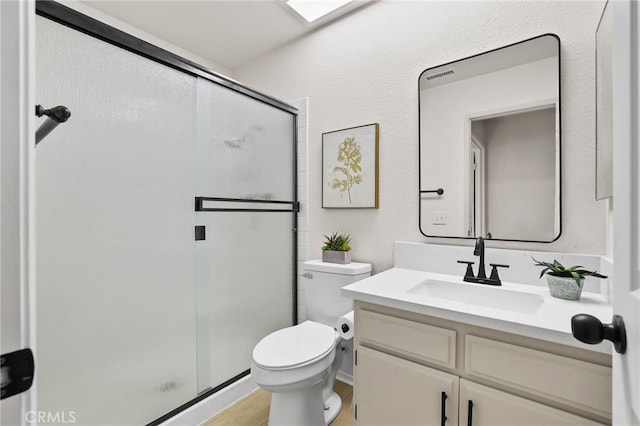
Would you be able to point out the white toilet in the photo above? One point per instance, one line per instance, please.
(299, 364)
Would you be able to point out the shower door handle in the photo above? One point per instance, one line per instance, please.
(201, 234)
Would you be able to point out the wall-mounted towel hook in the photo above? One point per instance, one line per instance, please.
(438, 191)
(55, 116)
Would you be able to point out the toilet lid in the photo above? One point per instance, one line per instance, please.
(295, 345)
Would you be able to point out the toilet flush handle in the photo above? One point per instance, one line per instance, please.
(308, 275)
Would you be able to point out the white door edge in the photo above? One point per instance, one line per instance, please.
(626, 247)
(17, 215)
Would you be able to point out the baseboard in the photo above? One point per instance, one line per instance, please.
(344, 377)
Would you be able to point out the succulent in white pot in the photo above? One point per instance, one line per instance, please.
(565, 282)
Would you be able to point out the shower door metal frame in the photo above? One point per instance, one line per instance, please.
(91, 26)
(73, 19)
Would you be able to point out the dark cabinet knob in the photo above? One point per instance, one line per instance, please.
(589, 329)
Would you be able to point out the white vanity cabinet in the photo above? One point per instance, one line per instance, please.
(401, 392)
(413, 369)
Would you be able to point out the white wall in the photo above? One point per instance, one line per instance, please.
(303, 216)
(365, 69)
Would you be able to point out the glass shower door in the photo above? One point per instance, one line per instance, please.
(134, 317)
(116, 323)
(246, 204)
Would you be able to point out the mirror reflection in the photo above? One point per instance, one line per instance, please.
(490, 139)
(604, 105)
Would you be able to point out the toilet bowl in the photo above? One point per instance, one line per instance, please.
(295, 364)
(298, 364)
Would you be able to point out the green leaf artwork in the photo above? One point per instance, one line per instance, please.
(350, 157)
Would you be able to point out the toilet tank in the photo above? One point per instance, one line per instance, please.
(323, 282)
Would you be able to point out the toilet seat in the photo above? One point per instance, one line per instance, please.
(294, 346)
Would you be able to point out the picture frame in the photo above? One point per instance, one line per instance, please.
(350, 167)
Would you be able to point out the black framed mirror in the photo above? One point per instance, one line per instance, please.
(489, 144)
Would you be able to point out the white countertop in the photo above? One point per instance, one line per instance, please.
(549, 319)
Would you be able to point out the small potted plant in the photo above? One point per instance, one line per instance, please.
(336, 249)
(565, 282)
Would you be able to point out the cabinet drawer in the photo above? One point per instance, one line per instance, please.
(572, 382)
(416, 340)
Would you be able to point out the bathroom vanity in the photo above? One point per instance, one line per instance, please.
(433, 350)
(418, 369)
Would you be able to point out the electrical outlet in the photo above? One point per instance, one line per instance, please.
(439, 218)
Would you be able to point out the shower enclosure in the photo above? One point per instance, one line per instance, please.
(166, 237)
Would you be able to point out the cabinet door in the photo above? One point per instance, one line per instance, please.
(393, 391)
(491, 407)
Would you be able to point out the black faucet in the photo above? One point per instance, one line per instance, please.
(481, 278)
(479, 251)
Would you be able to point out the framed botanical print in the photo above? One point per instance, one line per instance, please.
(350, 167)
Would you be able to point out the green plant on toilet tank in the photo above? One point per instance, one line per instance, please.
(565, 282)
(336, 248)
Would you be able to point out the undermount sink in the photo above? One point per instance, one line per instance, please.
(480, 295)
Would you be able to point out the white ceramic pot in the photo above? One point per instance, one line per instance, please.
(564, 288)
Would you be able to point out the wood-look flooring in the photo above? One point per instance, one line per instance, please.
(253, 409)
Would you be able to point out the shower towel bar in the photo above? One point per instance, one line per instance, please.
(55, 116)
(199, 205)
